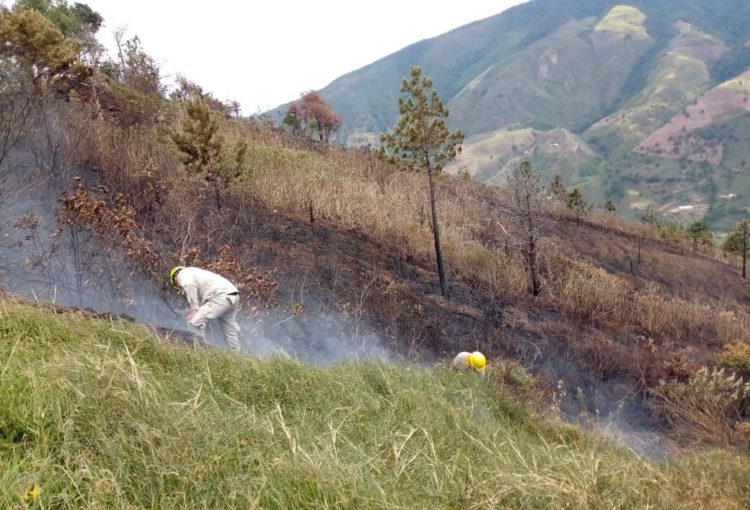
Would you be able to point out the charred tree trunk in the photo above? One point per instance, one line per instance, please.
(744, 256)
(217, 194)
(436, 232)
(532, 266)
(75, 248)
(639, 250)
(532, 247)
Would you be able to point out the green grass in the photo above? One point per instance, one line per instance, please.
(101, 414)
(623, 19)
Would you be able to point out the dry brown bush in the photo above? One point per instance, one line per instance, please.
(248, 279)
(658, 313)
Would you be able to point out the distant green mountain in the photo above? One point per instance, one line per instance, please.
(567, 79)
(595, 77)
(578, 32)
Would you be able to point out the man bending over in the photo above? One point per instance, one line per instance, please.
(211, 297)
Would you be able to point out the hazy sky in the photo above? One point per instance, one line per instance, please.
(265, 52)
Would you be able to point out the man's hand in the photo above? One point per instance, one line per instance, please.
(191, 314)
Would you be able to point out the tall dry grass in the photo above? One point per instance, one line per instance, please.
(588, 293)
(351, 189)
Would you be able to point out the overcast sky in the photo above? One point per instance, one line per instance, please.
(266, 52)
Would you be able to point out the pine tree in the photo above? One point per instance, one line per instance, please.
(72, 20)
(526, 192)
(48, 57)
(557, 188)
(200, 145)
(738, 242)
(576, 203)
(700, 234)
(421, 140)
(35, 59)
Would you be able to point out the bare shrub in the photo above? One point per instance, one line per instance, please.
(601, 356)
(525, 189)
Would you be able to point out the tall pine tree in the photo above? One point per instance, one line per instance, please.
(420, 140)
(738, 242)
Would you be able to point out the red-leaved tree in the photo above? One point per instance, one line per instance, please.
(314, 115)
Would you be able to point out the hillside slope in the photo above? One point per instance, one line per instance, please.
(332, 250)
(102, 414)
(335, 254)
(675, 140)
(489, 157)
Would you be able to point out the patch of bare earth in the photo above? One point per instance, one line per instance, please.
(677, 140)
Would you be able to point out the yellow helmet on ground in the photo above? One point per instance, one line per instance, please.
(173, 272)
(477, 361)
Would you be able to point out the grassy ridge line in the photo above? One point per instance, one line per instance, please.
(100, 414)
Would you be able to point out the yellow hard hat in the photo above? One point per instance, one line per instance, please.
(477, 360)
(172, 272)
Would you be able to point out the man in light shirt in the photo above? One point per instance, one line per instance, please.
(210, 297)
